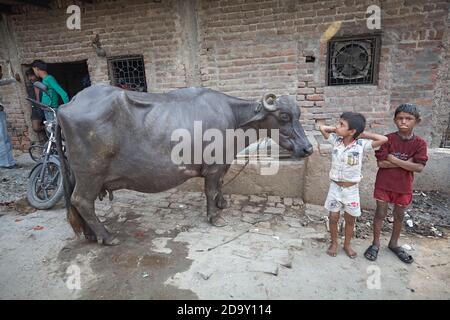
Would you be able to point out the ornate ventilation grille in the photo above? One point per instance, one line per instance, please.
(353, 61)
(128, 72)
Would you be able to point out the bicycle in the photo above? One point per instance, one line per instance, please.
(45, 185)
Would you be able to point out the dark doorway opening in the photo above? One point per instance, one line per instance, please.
(71, 76)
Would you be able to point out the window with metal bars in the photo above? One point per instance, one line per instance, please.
(353, 60)
(128, 73)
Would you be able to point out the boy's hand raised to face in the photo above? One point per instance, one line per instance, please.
(326, 130)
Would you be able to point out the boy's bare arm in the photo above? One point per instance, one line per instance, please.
(409, 164)
(386, 164)
(36, 93)
(378, 139)
(326, 130)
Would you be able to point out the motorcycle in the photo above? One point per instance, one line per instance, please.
(45, 184)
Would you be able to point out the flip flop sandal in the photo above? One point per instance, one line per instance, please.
(402, 254)
(371, 253)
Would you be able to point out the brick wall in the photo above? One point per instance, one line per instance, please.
(441, 100)
(247, 48)
(124, 27)
(12, 94)
(417, 57)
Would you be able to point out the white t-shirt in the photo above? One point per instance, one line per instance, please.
(346, 161)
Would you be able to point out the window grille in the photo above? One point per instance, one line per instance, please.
(128, 73)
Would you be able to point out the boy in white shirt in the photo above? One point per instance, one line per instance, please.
(349, 142)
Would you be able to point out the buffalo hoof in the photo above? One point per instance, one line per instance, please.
(112, 241)
(91, 237)
(222, 203)
(218, 221)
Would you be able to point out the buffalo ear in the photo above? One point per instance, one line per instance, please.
(260, 115)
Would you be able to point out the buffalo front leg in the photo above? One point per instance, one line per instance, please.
(212, 199)
(84, 204)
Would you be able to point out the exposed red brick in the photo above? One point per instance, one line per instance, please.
(315, 97)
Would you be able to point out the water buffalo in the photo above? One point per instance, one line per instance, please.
(117, 139)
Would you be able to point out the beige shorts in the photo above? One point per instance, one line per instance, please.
(343, 198)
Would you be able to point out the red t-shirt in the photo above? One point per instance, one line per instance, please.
(398, 179)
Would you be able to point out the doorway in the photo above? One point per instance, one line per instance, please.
(71, 76)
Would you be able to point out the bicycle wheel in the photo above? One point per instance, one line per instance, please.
(46, 192)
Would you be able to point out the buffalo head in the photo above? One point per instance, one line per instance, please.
(283, 113)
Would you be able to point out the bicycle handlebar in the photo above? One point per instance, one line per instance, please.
(41, 105)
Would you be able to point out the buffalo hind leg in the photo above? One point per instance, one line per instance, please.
(221, 203)
(84, 204)
(212, 194)
(79, 225)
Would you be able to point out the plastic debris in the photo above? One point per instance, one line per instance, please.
(410, 223)
(145, 275)
(436, 232)
(407, 247)
(327, 225)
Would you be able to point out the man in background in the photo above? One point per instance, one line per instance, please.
(53, 88)
(37, 115)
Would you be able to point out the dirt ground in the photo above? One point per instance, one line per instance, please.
(272, 248)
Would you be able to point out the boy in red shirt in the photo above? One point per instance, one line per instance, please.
(404, 154)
